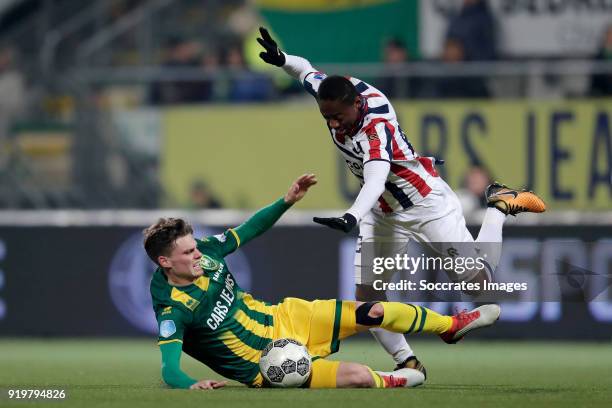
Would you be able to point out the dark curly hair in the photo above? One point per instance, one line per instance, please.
(337, 88)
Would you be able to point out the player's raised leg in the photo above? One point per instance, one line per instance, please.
(407, 318)
(351, 317)
(511, 201)
(399, 318)
(443, 223)
(503, 201)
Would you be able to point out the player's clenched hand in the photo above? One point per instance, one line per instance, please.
(299, 188)
(208, 385)
(273, 54)
(345, 223)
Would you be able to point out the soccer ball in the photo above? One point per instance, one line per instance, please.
(285, 363)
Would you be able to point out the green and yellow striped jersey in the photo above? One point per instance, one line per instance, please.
(217, 322)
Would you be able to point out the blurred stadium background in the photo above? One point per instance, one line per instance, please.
(116, 112)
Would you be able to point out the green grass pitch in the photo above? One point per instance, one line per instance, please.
(110, 373)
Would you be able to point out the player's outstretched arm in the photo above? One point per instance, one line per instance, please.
(265, 218)
(375, 175)
(299, 188)
(295, 66)
(175, 377)
(272, 54)
(171, 366)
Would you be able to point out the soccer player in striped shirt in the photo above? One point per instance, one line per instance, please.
(202, 310)
(402, 196)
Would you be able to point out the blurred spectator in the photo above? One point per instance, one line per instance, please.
(181, 54)
(247, 85)
(201, 197)
(471, 193)
(395, 54)
(12, 91)
(601, 84)
(458, 86)
(210, 64)
(474, 27)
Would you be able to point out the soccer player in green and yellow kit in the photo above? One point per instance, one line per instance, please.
(201, 310)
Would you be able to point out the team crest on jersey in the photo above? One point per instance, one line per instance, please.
(372, 137)
(167, 328)
(319, 75)
(208, 263)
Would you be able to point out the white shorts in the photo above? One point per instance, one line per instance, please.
(435, 220)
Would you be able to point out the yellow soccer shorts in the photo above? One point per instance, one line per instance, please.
(319, 325)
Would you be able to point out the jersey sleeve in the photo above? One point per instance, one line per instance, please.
(256, 225)
(171, 366)
(312, 81)
(261, 221)
(224, 243)
(377, 144)
(301, 69)
(375, 175)
(171, 323)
